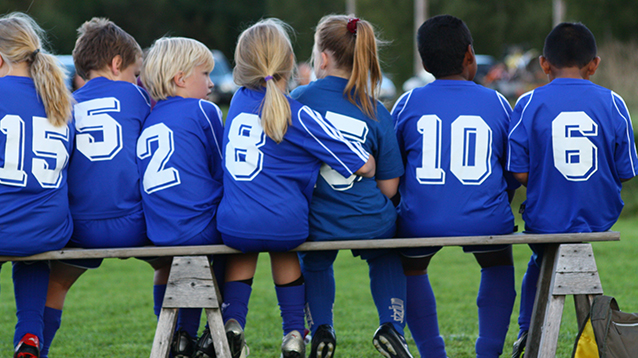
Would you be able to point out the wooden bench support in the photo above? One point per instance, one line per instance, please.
(191, 284)
(568, 269)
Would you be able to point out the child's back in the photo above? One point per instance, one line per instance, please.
(453, 136)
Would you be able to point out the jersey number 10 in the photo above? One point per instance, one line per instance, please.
(470, 150)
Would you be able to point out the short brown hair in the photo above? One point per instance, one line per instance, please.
(99, 41)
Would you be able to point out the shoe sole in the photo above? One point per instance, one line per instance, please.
(324, 350)
(235, 343)
(385, 347)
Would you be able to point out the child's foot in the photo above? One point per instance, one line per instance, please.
(28, 347)
(235, 335)
(323, 343)
(390, 343)
(519, 346)
(183, 345)
(293, 346)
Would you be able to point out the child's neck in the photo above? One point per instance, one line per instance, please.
(458, 77)
(568, 72)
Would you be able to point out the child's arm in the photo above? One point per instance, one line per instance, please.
(368, 169)
(388, 187)
(521, 177)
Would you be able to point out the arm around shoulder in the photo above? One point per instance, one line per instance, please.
(368, 169)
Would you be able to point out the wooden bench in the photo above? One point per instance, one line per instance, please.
(568, 267)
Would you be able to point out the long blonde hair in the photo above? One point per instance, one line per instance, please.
(20, 41)
(264, 56)
(353, 45)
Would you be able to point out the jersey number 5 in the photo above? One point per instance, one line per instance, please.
(47, 143)
(92, 117)
(575, 156)
(470, 150)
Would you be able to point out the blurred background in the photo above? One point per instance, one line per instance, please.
(508, 36)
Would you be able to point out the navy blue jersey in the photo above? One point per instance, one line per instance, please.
(353, 207)
(179, 155)
(103, 176)
(34, 215)
(576, 141)
(453, 138)
(268, 186)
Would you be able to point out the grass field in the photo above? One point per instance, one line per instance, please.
(109, 311)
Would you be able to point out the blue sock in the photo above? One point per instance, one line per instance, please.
(30, 283)
(236, 297)
(219, 271)
(528, 294)
(188, 320)
(421, 317)
(52, 322)
(291, 303)
(318, 274)
(388, 288)
(495, 302)
(158, 298)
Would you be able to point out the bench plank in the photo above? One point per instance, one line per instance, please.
(146, 251)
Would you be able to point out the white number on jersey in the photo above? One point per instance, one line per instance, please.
(575, 156)
(92, 116)
(157, 176)
(470, 150)
(243, 159)
(47, 144)
(352, 129)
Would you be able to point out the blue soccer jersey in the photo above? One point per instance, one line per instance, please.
(34, 215)
(453, 137)
(268, 186)
(352, 207)
(180, 156)
(103, 176)
(576, 141)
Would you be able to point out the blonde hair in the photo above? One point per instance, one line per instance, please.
(263, 52)
(99, 41)
(355, 52)
(166, 58)
(20, 41)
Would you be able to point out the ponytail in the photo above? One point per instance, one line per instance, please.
(263, 57)
(20, 41)
(49, 78)
(353, 45)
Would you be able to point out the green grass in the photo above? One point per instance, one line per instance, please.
(109, 311)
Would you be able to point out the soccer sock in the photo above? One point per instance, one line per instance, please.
(388, 288)
(495, 302)
(158, 298)
(30, 283)
(236, 297)
(219, 270)
(320, 296)
(188, 320)
(291, 303)
(528, 294)
(52, 322)
(421, 317)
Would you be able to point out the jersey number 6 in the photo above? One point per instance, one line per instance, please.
(470, 150)
(575, 156)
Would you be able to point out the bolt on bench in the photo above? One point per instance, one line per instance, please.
(569, 268)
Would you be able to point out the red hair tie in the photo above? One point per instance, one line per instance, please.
(352, 25)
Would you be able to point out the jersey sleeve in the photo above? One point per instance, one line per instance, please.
(625, 154)
(398, 120)
(214, 132)
(327, 144)
(518, 138)
(388, 156)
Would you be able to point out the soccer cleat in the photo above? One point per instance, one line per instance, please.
(182, 346)
(235, 336)
(390, 343)
(293, 346)
(28, 347)
(323, 342)
(518, 350)
(205, 347)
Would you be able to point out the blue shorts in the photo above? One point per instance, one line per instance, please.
(209, 236)
(124, 231)
(419, 252)
(260, 245)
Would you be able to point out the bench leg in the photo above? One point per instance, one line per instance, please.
(551, 326)
(217, 332)
(543, 292)
(164, 333)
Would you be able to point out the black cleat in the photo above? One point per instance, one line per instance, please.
(390, 343)
(235, 336)
(324, 342)
(183, 345)
(205, 347)
(518, 350)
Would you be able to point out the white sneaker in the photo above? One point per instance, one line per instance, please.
(293, 346)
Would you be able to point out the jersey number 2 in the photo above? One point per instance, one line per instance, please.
(47, 143)
(470, 150)
(157, 176)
